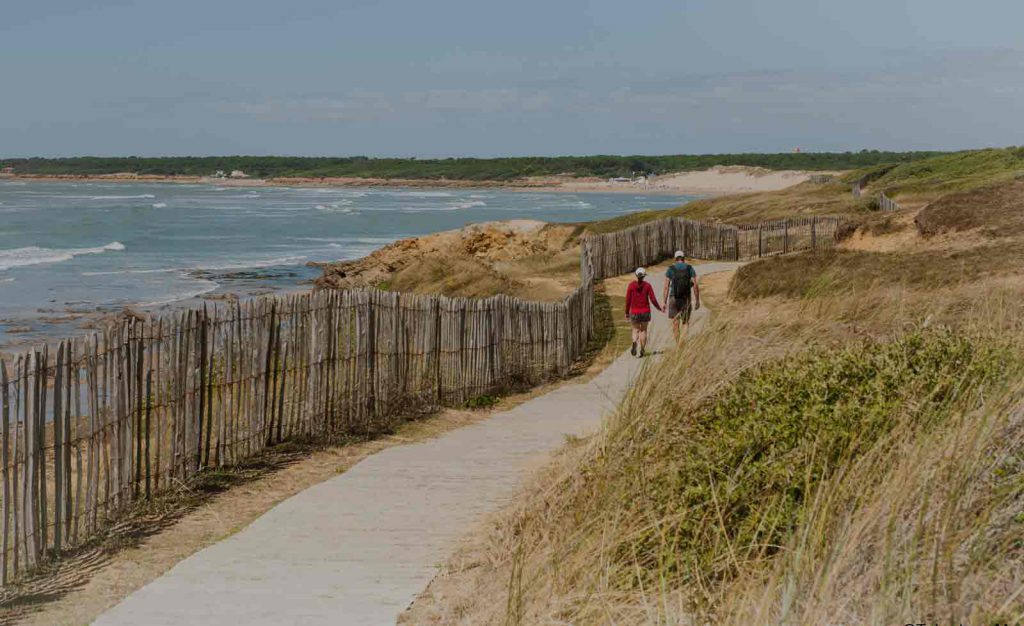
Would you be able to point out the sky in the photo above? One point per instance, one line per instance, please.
(438, 78)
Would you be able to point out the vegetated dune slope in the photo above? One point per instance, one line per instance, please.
(845, 444)
(525, 258)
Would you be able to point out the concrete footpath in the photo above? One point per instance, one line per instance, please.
(358, 548)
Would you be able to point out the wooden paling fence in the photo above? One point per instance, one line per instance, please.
(621, 252)
(820, 179)
(94, 424)
(885, 203)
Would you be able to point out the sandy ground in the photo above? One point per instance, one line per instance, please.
(716, 181)
(719, 180)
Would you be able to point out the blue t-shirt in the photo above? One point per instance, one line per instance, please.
(683, 269)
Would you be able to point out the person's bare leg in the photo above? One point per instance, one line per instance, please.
(636, 336)
(642, 337)
(675, 328)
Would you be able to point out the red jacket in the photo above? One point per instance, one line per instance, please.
(639, 295)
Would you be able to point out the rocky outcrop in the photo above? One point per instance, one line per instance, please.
(491, 242)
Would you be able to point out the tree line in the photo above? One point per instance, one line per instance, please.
(508, 168)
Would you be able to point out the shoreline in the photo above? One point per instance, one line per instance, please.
(584, 186)
(68, 322)
(714, 182)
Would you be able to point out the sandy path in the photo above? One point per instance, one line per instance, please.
(358, 548)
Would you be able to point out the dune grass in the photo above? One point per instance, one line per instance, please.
(959, 171)
(800, 200)
(919, 181)
(844, 444)
(848, 272)
(783, 469)
(996, 208)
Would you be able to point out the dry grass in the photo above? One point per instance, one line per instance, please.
(544, 277)
(847, 272)
(845, 444)
(453, 276)
(997, 211)
(596, 538)
(959, 171)
(800, 200)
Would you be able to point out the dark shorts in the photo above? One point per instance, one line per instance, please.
(639, 318)
(680, 308)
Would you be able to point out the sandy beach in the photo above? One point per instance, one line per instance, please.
(716, 181)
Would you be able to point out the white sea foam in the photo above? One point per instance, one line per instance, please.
(376, 240)
(287, 260)
(33, 255)
(159, 205)
(6, 280)
(123, 272)
(419, 194)
(336, 207)
(143, 196)
(206, 286)
(465, 205)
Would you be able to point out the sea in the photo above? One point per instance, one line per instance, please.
(71, 250)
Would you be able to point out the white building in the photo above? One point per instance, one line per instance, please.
(238, 174)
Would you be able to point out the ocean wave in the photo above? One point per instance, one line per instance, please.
(358, 240)
(123, 272)
(465, 205)
(206, 287)
(418, 194)
(6, 280)
(335, 207)
(287, 260)
(144, 196)
(33, 255)
(159, 205)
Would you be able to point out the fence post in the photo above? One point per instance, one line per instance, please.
(814, 233)
(785, 236)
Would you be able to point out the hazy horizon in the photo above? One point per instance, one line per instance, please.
(453, 156)
(459, 78)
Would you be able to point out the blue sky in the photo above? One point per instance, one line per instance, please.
(529, 77)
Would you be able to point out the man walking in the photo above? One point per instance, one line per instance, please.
(639, 298)
(680, 290)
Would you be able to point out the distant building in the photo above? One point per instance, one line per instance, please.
(619, 179)
(220, 174)
(7, 171)
(238, 174)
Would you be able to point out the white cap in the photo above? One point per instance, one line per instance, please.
(679, 253)
(640, 271)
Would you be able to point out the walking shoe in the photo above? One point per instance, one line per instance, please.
(632, 350)
(641, 353)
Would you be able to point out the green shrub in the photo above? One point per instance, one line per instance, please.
(482, 402)
(727, 482)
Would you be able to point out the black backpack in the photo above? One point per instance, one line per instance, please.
(681, 280)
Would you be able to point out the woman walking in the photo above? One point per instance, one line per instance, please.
(639, 298)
